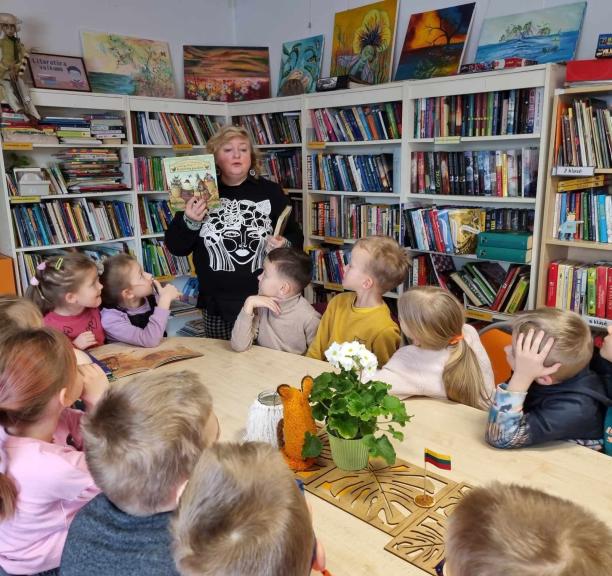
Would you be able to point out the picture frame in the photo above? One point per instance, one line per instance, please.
(58, 72)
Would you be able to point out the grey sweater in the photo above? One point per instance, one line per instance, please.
(291, 331)
(105, 541)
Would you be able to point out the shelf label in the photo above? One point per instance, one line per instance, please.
(333, 286)
(479, 315)
(23, 199)
(574, 171)
(333, 240)
(447, 140)
(595, 322)
(182, 147)
(17, 145)
(317, 144)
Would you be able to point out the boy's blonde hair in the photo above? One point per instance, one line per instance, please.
(573, 346)
(229, 132)
(18, 314)
(389, 262)
(145, 436)
(435, 318)
(242, 513)
(518, 531)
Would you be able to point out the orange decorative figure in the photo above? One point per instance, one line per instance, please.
(297, 420)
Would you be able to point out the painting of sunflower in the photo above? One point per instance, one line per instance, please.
(363, 42)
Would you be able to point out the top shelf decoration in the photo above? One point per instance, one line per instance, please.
(300, 66)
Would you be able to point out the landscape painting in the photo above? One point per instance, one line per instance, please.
(547, 35)
(363, 42)
(435, 42)
(226, 73)
(300, 66)
(124, 65)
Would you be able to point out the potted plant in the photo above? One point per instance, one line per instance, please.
(357, 411)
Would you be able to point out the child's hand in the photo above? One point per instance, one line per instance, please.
(529, 361)
(268, 302)
(273, 242)
(85, 340)
(606, 347)
(95, 383)
(166, 294)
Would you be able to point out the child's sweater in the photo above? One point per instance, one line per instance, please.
(415, 371)
(291, 331)
(73, 326)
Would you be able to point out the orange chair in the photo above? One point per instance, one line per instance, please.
(494, 338)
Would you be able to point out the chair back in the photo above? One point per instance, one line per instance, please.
(495, 337)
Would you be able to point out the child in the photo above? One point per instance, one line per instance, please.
(142, 442)
(17, 314)
(602, 365)
(284, 319)
(44, 479)
(243, 513)
(518, 531)
(131, 313)
(552, 394)
(67, 290)
(445, 358)
(378, 264)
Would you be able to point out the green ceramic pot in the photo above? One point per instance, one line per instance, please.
(348, 454)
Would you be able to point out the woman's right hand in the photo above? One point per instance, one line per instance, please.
(196, 209)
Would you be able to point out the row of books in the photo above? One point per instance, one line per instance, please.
(272, 128)
(158, 260)
(476, 173)
(585, 288)
(584, 134)
(165, 128)
(29, 260)
(87, 130)
(351, 173)
(498, 113)
(149, 172)
(283, 167)
(328, 265)
(454, 230)
(193, 329)
(155, 215)
(90, 170)
(358, 123)
(352, 218)
(583, 215)
(18, 127)
(64, 222)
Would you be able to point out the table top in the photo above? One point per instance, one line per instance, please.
(353, 547)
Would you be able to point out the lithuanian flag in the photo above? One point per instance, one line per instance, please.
(439, 460)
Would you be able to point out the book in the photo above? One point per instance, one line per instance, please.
(124, 360)
(281, 222)
(189, 176)
(495, 239)
(504, 254)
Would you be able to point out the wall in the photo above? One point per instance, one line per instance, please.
(272, 22)
(54, 26)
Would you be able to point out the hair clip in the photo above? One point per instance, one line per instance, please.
(58, 264)
(34, 281)
(41, 266)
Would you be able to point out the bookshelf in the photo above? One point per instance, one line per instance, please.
(572, 272)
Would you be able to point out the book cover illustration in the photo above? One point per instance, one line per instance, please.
(300, 66)
(465, 227)
(189, 176)
(124, 360)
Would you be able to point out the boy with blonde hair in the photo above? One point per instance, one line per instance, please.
(141, 444)
(552, 394)
(242, 513)
(378, 264)
(518, 531)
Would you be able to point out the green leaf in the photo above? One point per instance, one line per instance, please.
(312, 446)
(319, 412)
(384, 449)
(338, 406)
(367, 428)
(344, 425)
(393, 404)
(398, 435)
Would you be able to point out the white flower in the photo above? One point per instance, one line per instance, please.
(333, 354)
(347, 363)
(352, 356)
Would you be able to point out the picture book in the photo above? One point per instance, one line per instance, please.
(281, 223)
(124, 360)
(189, 176)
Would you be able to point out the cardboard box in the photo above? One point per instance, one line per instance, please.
(7, 276)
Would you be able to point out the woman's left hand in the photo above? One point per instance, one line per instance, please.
(273, 242)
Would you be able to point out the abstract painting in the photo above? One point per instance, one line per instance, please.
(125, 65)
(300, 66)
(435, 42)
(226, 73)
(363, 42)
(547, 35)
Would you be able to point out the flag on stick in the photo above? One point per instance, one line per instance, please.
(439, 460)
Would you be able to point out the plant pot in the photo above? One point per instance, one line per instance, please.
(348, 454)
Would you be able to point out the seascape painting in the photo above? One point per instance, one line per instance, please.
(226, 73)
(435, 42)
(300, 66)
(119, 64)
(363, 42)
(547, 35)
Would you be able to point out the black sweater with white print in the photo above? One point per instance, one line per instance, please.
(229, 249)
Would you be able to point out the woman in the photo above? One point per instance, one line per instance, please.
(229, 242)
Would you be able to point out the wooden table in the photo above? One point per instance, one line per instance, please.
(353, 547)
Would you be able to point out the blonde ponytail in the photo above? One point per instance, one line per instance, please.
(8, 492)
(462, 377)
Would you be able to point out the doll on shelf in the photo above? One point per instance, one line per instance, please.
(569, 227)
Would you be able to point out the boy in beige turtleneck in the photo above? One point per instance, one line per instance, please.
(279, 317)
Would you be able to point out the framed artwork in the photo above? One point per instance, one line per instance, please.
(363, 42)
(300, 66)
(124, 65)
(56, 72)
(547, 35)
(226, 73)
(435, 42)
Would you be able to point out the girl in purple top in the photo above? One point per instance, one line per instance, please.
(130, 312)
